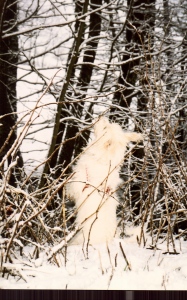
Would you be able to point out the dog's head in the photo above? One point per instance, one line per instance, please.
(101, 127)
(112, 135)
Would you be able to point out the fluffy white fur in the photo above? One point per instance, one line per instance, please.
(95, 180)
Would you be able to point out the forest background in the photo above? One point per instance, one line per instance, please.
(62, 64)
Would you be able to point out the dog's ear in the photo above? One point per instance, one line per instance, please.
(133, 136)
(100, 126)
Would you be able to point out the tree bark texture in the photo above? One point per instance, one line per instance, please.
(8, 79)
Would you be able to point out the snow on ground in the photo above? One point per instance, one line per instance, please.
(105, 269)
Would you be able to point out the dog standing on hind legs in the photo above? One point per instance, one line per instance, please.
(95, 180)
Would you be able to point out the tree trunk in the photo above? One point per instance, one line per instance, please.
(75, 146)
(54, 147)
(64, 154)
(139, 41)
(8, 77)
(139, 23)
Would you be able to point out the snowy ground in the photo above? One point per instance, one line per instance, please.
(105, 269)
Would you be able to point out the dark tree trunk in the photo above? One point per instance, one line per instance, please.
(74, 147)
(144, 21)
(8, 76)
(139, 32)
(182, 120)
(139, 24)
(56, 158)
(59, 128)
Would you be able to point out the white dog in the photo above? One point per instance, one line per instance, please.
(95, 180)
